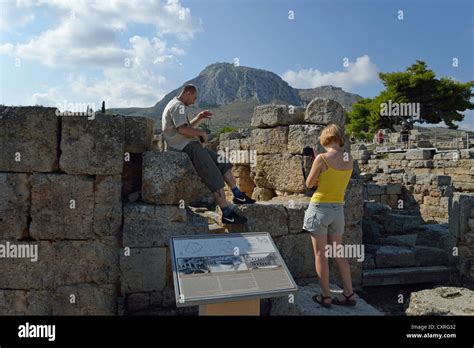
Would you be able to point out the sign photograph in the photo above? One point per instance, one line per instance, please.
(231, 267)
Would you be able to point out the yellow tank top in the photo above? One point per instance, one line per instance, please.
(332, 185)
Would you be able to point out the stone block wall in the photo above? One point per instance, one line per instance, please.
(461, 225)
(60, 212)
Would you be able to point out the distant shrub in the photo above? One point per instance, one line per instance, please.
(225, 129)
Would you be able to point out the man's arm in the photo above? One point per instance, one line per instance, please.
(199, 118)
(191, 132)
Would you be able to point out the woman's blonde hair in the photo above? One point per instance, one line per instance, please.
(332, 134)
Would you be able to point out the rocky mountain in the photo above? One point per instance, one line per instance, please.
(344, 98)
(231, 93)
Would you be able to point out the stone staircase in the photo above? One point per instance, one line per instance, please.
(401, 249)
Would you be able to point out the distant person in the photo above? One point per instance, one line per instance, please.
(405, 134)
(380, 137)
(324, 218)
(181, 134)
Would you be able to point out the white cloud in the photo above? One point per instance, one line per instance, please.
(360, 72)
(15, 14)
(89, 34)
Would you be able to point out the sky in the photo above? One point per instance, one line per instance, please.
(132, 53)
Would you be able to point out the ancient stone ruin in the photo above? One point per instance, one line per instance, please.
(100, 199)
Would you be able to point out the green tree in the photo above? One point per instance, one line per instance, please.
(439, 99)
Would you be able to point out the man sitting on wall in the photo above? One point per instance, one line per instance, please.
(181, 134)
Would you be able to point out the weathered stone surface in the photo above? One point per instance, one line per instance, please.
(279, 171)
(304, 304)
(139, 133)
(148, 225)
(62, 263)
(263, 194)
(132, 174)
(397, 223)
(404, 240)
(371, 232)
(28, 139)
(429, 256)
(14, 205)
(441, 180)
(393, 256)
(373, 189)
(90, 299)
(264, 217)
(441, 301)
(418, 154)
(271, 140)
(325, 111)
(354, 202)
(297, 252)
(61, 206)
(13, 302)
(169, 177)
(300, 136)
(144, 270)
(435, 235)
(265, 116)
(107, 205)
(92, 147)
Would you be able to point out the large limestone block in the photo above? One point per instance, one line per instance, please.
(92, 146)
(75, 206)
(143, 270)
(303, 135)
(325, 111)
(14, 205)
(58, 263)
(418, 154)
(263, 217)
(393, 256)
(90, 299)
(13, 302)
(61, 206)
(297, 252)
(139, 133)
(169, 177)
(107, 205)
(265, 116)
(354, 202)
(148, 225)
(303, 304)
(282, 172)
(28, 139)
(272, 140)
(441, 301)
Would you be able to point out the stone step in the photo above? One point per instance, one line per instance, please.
(405, 275)
(387, 256)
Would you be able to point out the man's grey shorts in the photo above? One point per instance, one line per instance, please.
(324, 218)
(207, 166)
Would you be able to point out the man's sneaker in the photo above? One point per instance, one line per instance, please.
(245, 200)
(234, 219)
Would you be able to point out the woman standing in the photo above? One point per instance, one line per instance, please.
(324, 218)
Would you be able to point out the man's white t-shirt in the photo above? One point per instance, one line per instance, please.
(175, 115)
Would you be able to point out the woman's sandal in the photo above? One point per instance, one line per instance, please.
(346, 302)
(319, 298)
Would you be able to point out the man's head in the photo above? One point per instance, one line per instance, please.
(188, 94)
